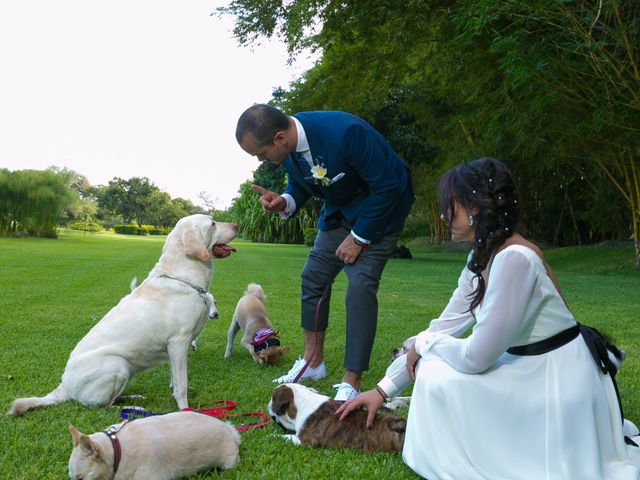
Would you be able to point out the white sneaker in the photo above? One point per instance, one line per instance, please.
(344, 392)
(312, 373)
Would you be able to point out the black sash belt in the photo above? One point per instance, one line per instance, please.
(597, 346)
(548, 344)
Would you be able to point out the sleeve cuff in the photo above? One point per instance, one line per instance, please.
(360, 239)
(290, 209)
(389, 387)
(396, 378)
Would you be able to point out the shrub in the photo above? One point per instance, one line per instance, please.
(151, 230)
(309, 236)
(126, 229)
(86, 226)
(141, 230)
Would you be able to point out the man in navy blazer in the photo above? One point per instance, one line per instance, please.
(367, 196)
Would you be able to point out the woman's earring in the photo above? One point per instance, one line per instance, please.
(470, 220)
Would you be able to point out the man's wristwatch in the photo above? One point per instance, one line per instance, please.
(358, 242)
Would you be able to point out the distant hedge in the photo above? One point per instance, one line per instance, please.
(86, 226)
(140, 230)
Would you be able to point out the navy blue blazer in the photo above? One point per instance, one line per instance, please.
(373, 193)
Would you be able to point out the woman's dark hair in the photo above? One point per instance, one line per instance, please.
(262, 122)
(484, 186)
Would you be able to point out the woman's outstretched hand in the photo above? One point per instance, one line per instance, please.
(371, 400)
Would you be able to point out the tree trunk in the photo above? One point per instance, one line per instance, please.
(636, 237)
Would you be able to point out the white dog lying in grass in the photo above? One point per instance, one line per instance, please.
(163, 447)
(153, 324)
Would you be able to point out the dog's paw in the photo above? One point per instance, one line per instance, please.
(290, 437)
(397, 402)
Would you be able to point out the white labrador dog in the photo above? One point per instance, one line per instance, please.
(154, 323)
(208, 299)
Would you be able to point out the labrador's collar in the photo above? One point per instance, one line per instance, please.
(201, 291)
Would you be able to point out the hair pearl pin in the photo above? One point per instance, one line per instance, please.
(473, 191)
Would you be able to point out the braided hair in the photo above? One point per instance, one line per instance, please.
(484, 186)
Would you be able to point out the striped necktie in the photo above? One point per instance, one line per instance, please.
(304, 165)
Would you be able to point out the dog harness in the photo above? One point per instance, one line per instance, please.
(263, 339)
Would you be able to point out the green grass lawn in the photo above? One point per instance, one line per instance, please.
(53, 291)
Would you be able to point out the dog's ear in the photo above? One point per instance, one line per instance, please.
(89, 448)
(194, 245)
(75, 435)
(281, 399)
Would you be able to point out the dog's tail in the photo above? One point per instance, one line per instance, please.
(256, 290)
(133, 284)
(21, 405)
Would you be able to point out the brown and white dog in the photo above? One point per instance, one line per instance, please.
(312, 416)
(404, 349)
(259, 337)
(162, 447)
(152, 325)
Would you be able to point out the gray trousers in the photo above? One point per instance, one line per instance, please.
(361, 300)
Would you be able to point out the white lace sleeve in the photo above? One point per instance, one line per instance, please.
(507, 308)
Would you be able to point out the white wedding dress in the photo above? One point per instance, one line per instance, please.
(478, 412)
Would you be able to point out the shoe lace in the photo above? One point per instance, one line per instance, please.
(293, 371)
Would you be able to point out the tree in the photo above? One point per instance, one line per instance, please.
(130, 197)
(32, 201)
(208, 201)
(585, 54)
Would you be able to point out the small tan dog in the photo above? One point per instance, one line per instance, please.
(259, 338)
(162, 447)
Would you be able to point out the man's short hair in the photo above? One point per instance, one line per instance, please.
(262, 122)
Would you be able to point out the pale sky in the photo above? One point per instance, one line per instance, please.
(132, 88)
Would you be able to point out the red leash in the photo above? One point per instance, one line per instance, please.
(315, 329)
(228, 405)
(219, 412)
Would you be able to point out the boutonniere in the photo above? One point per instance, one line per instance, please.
(319, 174)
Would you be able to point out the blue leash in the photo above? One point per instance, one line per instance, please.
(135, 412)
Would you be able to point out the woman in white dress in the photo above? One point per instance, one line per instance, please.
(521, 397)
